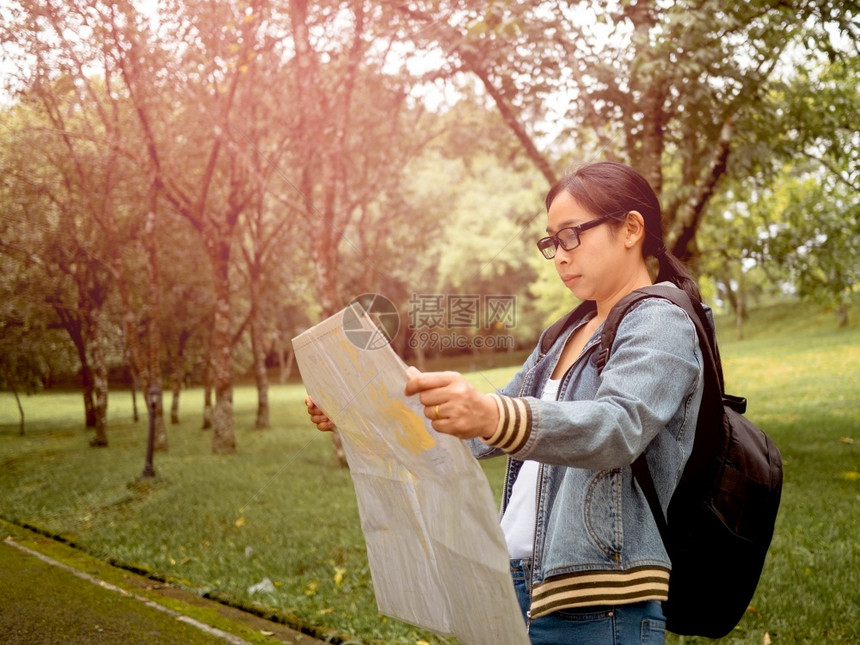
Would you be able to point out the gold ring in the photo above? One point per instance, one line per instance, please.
(436, 411)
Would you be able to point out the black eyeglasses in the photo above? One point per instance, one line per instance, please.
(567, 238)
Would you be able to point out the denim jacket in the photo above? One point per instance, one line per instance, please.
(596, 540)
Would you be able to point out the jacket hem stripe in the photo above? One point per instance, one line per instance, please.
(600, 588)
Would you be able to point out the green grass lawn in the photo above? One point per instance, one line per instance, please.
(280, 510)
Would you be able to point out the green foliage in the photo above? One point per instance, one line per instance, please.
(489, 247)
(26, 359)
(552, 298)
(279, 509)
(792, 209)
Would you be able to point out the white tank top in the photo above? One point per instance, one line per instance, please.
(518, 522)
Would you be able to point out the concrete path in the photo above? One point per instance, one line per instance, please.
(52, 593)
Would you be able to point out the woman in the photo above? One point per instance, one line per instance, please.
(586, 555)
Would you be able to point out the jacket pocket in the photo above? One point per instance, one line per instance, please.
(603, 512)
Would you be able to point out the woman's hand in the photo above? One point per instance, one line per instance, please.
(453, 405)
(318, 417)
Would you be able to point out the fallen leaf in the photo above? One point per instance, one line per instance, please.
(338, 575)
(240, 522)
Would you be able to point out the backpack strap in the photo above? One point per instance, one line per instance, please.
(642, 474)
(712, 396)
(678, 297)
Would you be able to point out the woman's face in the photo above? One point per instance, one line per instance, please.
(601, 266)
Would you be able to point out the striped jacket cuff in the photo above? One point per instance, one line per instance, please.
(515, 424)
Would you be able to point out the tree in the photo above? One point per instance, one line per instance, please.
(29, 353)
(815, 242)
(260, 245)
(187, 299)
(198, 61)
(793, 209)
(60, 255)
(355, 133)
(728, 255)
(668, 87)
(818, 243)
(33, 346)
(71, 82)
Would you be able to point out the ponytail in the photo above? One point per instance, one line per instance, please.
(674, 271)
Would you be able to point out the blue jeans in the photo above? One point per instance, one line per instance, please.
(641, 622)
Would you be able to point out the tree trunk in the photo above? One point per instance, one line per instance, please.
(154, 296)
(683, 231)
(842, 314)
(260, 375)
(135, 386)
(174, 401)
(326, 280)
(159, 439)
(223, 437)
(89, 397)
(285, 365)
(20, 409)
(207, 407)
(100, 387)
(741, 305)
(74, 328)
(842, 310)
(207, 396)
(510, 119)
(735, 298)
(178, 376)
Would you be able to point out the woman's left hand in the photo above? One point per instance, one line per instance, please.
(453, 405)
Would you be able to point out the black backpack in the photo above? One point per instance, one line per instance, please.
(721, 517)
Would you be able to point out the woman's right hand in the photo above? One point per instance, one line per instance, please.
(318, 417)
